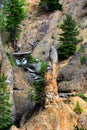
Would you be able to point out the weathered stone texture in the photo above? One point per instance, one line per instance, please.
(51, 88)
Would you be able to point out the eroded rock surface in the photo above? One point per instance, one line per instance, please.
(51, 88)
(22, 81)
(52, 118)
(72, 77)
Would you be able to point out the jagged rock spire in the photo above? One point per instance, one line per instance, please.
(51, 88)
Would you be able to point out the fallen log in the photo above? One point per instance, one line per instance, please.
(21, 53)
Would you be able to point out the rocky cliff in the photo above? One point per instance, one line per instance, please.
(57, 114)
(40, 36)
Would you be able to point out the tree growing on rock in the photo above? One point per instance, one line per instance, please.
(14, 11)
(5, 105)
(50, 5)
(68, 37)
(36, 91)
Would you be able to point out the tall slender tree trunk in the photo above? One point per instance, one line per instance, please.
(13, 37)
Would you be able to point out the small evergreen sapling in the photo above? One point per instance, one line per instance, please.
(5, 105)
(78, 109)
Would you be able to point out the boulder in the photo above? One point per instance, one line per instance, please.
(36, 67)
(73, 77)
(73, 85)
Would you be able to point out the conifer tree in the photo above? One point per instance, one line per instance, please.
(36, 91)
(51, 5)
(68, 37)
(5, 105)
(14, 11)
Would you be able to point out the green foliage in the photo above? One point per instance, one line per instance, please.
(66, 50)
(36, 91)
(11, 59)
(78, 109)
(82, 96)
(30, 59)
(50, 5)
(85, 6)
(68, 37)
(70, 31)
(77, 128)
(2, 21)
(43, 69)
(83, 59)
(14, 11)
(81, 49)
(5, 105)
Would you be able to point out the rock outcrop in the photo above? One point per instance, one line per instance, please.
(52, 118)
(22, 82)
(51, 88)
(72, 77)
(50, 38)
(56, 115)
(61, 117)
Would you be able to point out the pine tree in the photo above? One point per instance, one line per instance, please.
(54, 5)
(51, 5)
(14, 11)
(68, 37)
(36, 91)
(5, 105)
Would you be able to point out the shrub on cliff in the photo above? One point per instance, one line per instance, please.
(77, 128)
(50, 5)
(36, 91)
(78, 109)
(5, 105)
(81, 95)
(83, 59)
